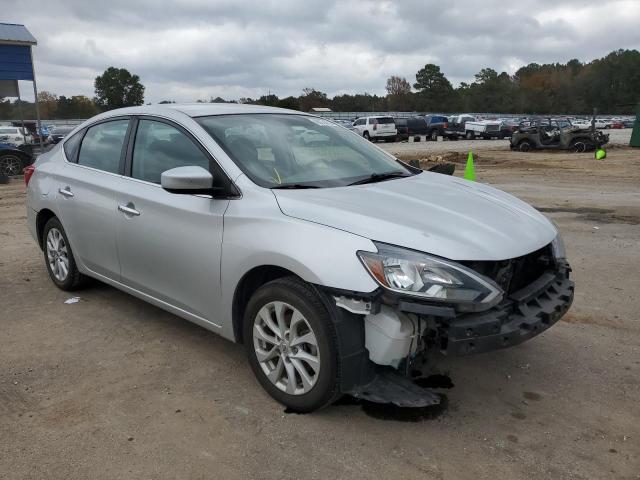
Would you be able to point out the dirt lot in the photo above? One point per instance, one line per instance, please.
(111, 387)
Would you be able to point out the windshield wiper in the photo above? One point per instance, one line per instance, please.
(294, 186)
(379, 177)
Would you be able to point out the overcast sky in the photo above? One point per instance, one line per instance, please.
(196, 49)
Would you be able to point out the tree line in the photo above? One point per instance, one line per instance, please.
(610, 84)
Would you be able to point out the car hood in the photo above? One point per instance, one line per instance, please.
(429, 212)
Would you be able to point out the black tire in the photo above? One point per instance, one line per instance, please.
(469, 135)
(524, 146)
(74, 279)
(366, 136)
(433, 135)
(304, 298)
(578, 146)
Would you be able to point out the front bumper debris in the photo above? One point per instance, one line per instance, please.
(390, 387)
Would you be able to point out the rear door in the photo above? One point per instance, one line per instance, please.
(85, 194)
(170, 244)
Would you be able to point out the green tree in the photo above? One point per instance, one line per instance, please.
(117, 88)
(436, 92)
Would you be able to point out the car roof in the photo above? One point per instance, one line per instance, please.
(198, 109)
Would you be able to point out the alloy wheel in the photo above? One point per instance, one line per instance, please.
(57, 255)
(10, 165)
(286, 348)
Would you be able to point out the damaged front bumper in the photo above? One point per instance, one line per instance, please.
(525, 314)
(400, 332)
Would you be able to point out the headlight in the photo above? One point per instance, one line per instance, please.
(429, 277)
(558, 247)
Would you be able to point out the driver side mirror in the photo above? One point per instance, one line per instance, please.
(189, 180)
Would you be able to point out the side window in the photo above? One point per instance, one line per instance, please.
(159, 147)
(102, 146)
(71, 146)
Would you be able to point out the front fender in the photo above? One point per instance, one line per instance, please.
(257, 233)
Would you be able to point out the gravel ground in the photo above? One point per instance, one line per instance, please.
(111, 387)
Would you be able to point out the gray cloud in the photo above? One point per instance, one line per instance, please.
(191, 49)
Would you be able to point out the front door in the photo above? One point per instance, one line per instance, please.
(169, 244)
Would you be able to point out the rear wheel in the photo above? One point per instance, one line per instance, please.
(524, 146)
(291, 344)
(58, 257)
(10, 165)
(434, 135)
(469, 135)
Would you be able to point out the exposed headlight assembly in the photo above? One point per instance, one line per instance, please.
(432, 278)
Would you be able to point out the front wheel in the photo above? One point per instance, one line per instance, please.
(291, 344)
(578, 146)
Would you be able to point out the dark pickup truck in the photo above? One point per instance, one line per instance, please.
(431, 126)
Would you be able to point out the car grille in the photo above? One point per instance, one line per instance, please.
(516, 273)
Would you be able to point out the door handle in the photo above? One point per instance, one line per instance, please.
(128, 210)
(66, 192)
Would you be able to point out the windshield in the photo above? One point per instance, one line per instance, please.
(277, 150)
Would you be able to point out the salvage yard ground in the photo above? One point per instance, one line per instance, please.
(111, 387)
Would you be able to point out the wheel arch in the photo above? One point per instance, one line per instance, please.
(246, 287)
(42, 218)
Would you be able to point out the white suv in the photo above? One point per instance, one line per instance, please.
(374, 128)
(14, 135)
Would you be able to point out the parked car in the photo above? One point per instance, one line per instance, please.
(508, 126)
(436, 126)
(486, 129)
(402, 127)
(602, 123)
(556, 135)
(15, 135)
(13, 159)
(58, 133)
(337, 266)
(581, 123)
(456, 126)
(376, 128)
(417, 126)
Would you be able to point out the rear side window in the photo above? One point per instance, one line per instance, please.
(385, 120)
(102, 146)
(71, 146)
(159, 147)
